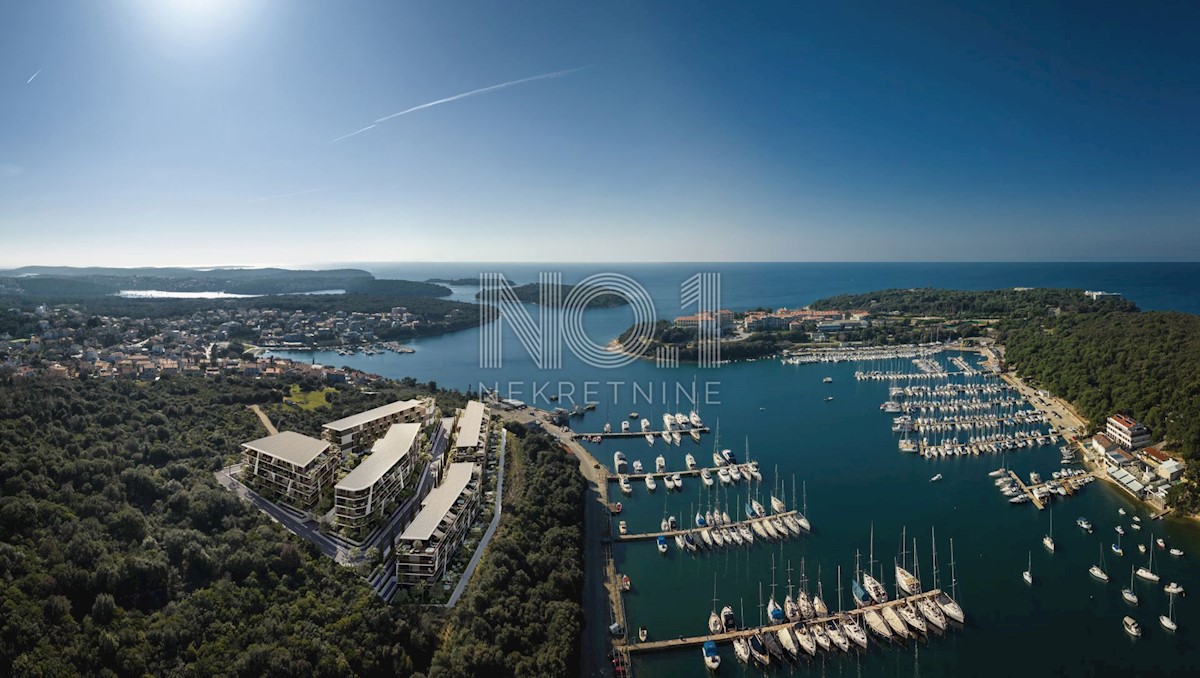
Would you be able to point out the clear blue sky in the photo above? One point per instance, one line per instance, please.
(199, 132)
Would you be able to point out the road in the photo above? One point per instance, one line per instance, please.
(266, 421)
(288, 519)
(491, 531)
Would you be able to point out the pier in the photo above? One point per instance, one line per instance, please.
(1031, 490)
(730, 636)
(614, 477)
(671, 533)
(639, 434)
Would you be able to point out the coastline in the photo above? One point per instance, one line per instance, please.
(1053, 405)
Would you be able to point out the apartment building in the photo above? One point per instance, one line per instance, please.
(362, 495)
(355, 434)
(1127, 433)
(430, 540)
(291, 466)
(470, 435)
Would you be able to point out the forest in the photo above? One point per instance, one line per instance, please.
(52, 283)
(120, 555)
(1010, 303)
(521, 615)
(1146, 365)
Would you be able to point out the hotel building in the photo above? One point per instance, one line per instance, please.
(470, 436)
(1127, 433)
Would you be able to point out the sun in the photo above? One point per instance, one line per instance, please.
(198, 20)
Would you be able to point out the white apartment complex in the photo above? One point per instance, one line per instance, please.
(355, 434)
(364, 493)
(470, 435)
(291, 466)
(429, 541)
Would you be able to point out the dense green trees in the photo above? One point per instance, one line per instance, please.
(1023, 303)
(119, 553)
(521, 615)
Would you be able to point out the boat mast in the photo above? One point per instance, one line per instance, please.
(933, 538)
(870, 560)
(839, 582)
(916, 561)
(953, 574)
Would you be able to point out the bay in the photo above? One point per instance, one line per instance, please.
(845, 452)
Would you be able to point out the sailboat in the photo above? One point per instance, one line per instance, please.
(715, 624)
(777, 504)
(870, 583)
(905, 581)
(926, 606)
(1116, 548)
(804, 524)
(1168, 620)
(1128, 593)
(850, 627)
(1048, 540)
(819, 606)
(949, 604)
(758, 650)
(1028, 573)
(1098, 570)
(774, 610)
(1148, 573)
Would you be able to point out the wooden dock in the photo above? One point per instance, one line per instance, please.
(1064, 482)
(974, 447)
(671, 533)
(658, 475)
(639, 433)
(730, 636)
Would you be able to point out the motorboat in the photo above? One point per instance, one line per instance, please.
(626, 487)
(662, 544)
(1176, 552)
(706, 477)
(690, 461)
(1131, 626)
(637, 466)
(669, 482)
(660, 464)
(723, 475)
(712, 658)
(651, 484)
(935, 478)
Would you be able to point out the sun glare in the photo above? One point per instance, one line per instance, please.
(199, 20)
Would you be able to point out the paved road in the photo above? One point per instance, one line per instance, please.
(491, 531)
(290, 520)
(266, 421)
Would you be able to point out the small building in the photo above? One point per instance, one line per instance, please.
(291, 466)
(365, 492)
(430, 540)
(1102, 444)
(1170, 470)
(1154, 457)
(1127, 432)
(762, 322)
(355, 434)
(723, 318)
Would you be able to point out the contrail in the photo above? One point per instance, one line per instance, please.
(289, 195)
(347, 136)
(34, 76)
(464, 95)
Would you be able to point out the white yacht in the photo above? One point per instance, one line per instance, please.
(706, 476)
(695, 419)
(690, 461)
(723, 475)
(637, 466)
(650, 484)
(625, 486)
(678, 479)
(660, 464)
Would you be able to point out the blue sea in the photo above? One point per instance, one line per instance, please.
(844, 453)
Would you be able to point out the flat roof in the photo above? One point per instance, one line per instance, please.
(470, 425)
(372, 414)
(438, 502)
(294, 448)
(385, 454)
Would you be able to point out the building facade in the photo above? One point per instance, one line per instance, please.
(471, 432)
(363, 495)
(357, 433)
(430, 540)
(1127, 433)
(290, 466)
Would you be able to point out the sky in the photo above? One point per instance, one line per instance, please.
(261, 132)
